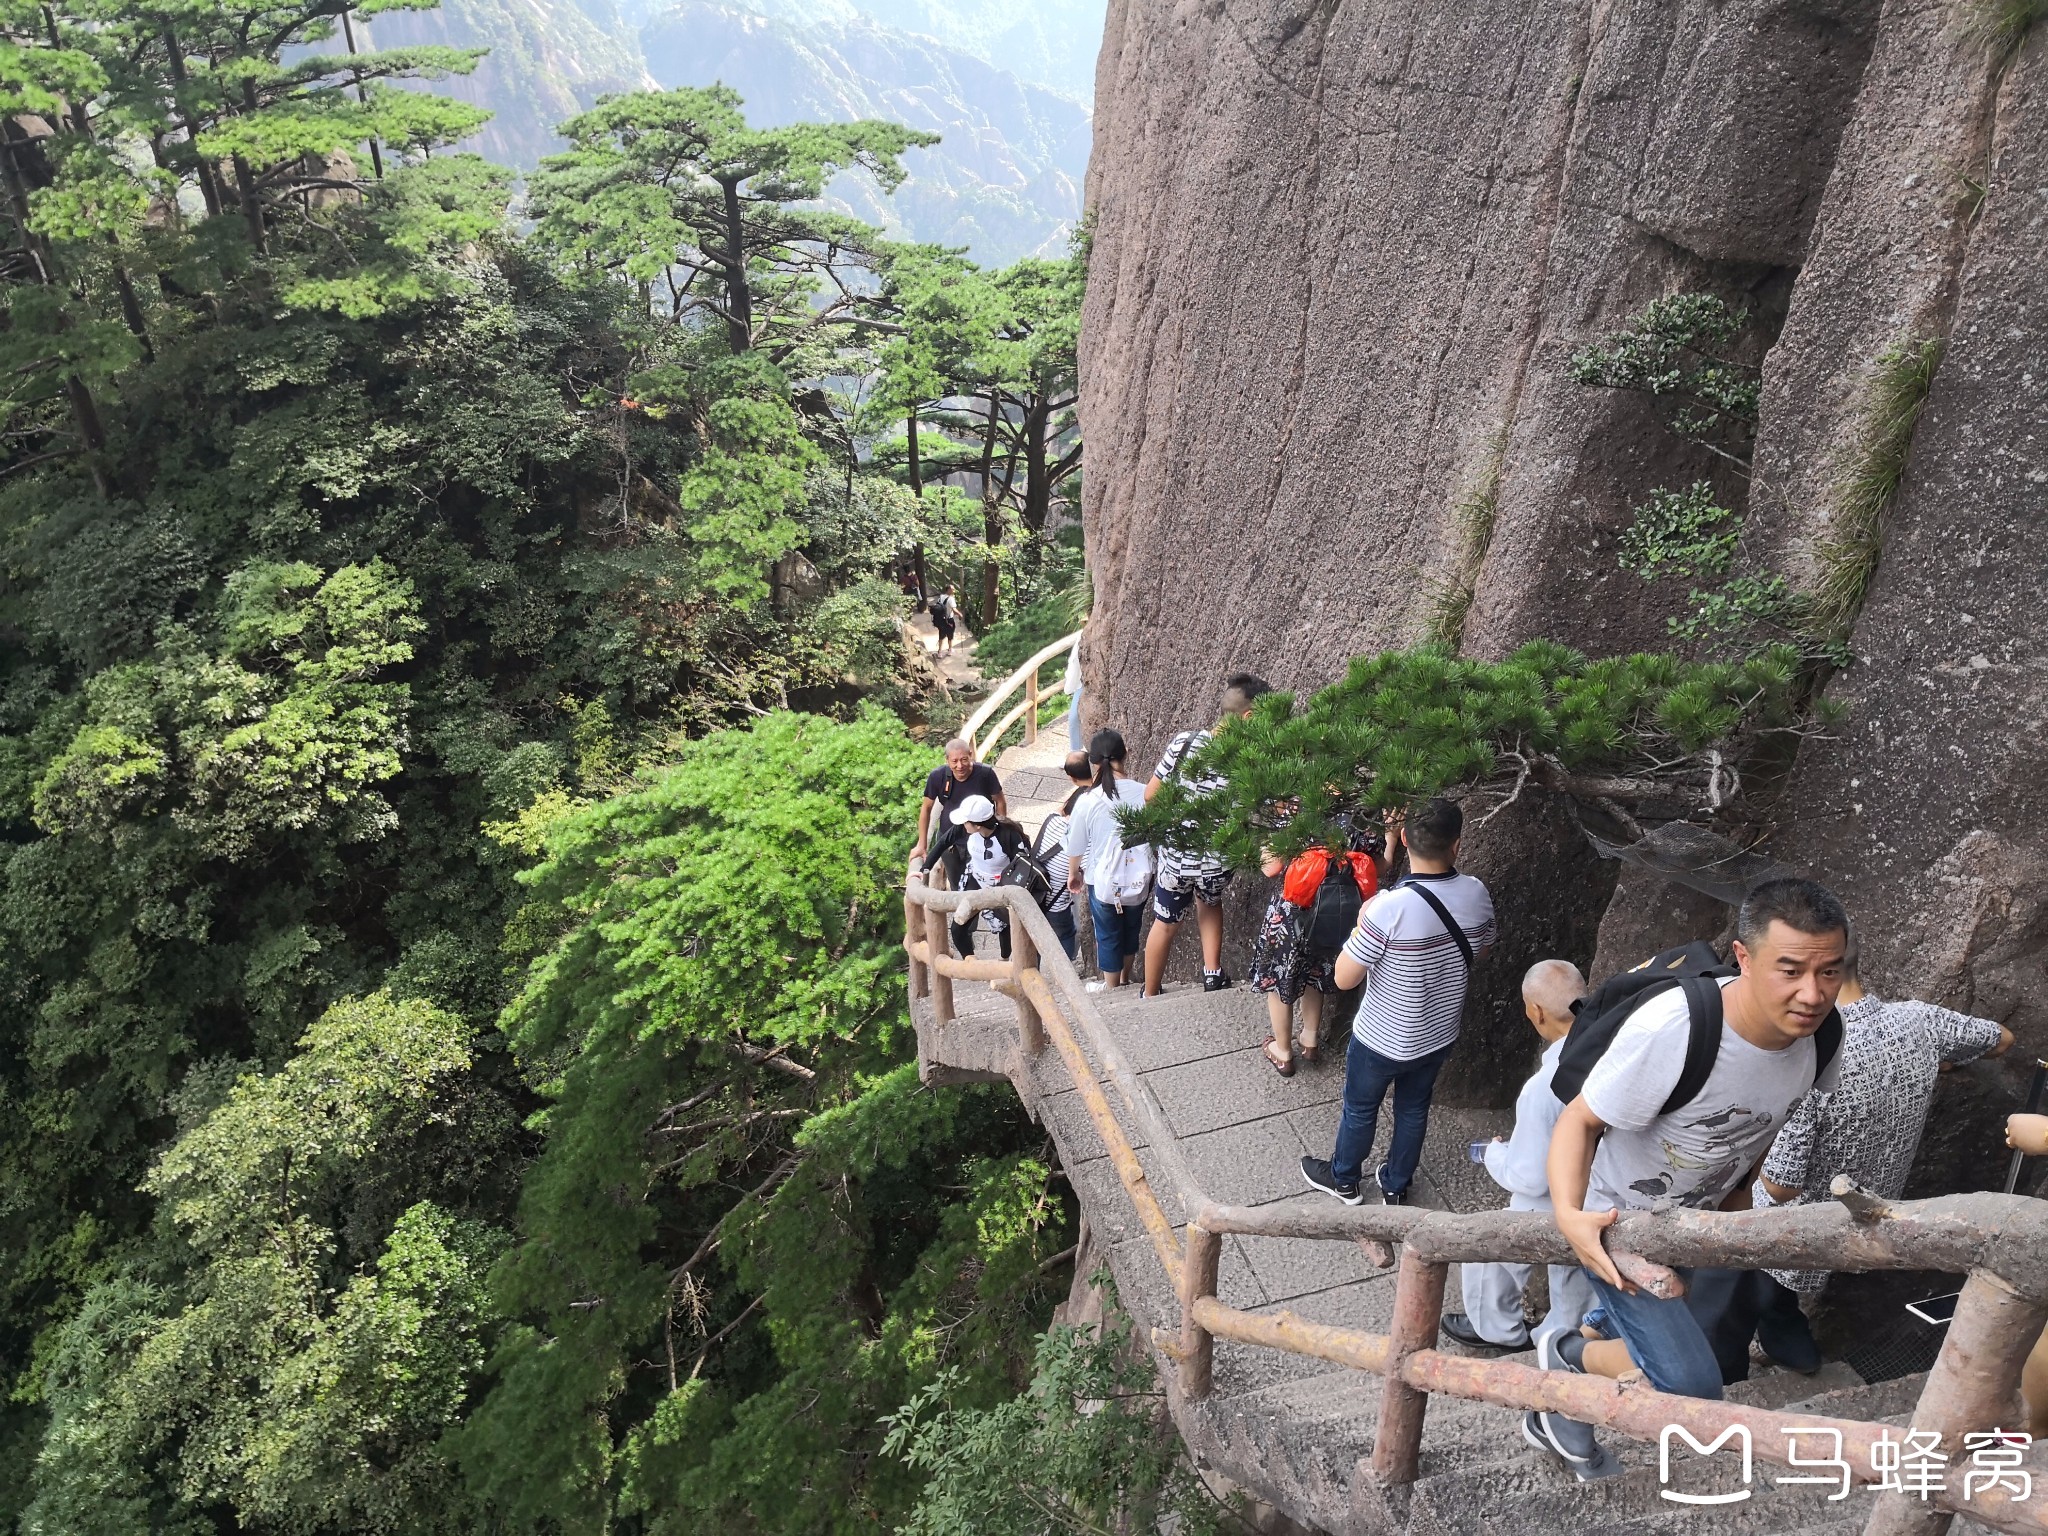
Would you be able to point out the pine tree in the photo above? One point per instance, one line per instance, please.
(1644, 737)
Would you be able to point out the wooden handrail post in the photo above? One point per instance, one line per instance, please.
(1024, 957)
(1197, 1281)
(913, 930)
(1418, 1306)
(1974, 1386)
(1031, 706)
(940, 942)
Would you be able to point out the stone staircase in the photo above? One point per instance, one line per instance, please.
(1287, 1427)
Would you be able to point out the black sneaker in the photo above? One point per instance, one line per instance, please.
(1456, 1325)
(1315, 1172)
(1215, 981)
(1387, 1196)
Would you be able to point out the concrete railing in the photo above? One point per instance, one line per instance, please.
(1999, 1242)
(977, 729)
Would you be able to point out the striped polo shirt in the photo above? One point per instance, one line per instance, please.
(1414, 975)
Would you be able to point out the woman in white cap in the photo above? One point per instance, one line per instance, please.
(976, 862)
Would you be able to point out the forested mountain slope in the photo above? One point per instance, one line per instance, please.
(454, 1073)
(1005, 87)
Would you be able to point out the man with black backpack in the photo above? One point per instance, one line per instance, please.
(1194, 878)
(1675, 1078)
(1413, 948)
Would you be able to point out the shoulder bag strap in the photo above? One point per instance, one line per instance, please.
(1444, 916)
(1703, 1043)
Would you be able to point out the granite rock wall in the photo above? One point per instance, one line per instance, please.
(1343, 253)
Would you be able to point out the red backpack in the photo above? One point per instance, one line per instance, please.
(1327, 892)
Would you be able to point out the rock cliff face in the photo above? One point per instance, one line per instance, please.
(1344, 250)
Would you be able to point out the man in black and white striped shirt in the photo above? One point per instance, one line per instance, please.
(1194, 877)
(1413, 948)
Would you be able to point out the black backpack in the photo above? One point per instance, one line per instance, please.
(1326, 922)
(1699, 971)
(1028, 872)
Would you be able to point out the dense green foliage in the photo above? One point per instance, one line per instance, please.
(1404, 725)
(716, 1010)
(1087, 1449)
(454, 1056)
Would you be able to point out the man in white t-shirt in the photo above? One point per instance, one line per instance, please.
(1414, 947)
(1616, 1149)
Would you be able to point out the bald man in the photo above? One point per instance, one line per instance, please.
(1493, 1292)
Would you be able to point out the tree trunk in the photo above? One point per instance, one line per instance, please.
(209, 184)
(739, 300)
(348, 33)
(991, 522)
(916, 469)
(85, 415)
(252, 205)
(131, 307)
(1037, 479)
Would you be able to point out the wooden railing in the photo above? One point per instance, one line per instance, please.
(1999, 1242)
(976, 731)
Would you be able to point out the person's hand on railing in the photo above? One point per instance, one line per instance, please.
(1582, 1229)
(2028, 1134)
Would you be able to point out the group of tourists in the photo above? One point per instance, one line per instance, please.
(1687, 1081)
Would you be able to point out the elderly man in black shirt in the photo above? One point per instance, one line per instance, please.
(946, 788)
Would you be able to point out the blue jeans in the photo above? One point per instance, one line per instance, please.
(1116, 933)
(1063, 924)
(1367, 1077)
(1074, 741)
(1664, 1339)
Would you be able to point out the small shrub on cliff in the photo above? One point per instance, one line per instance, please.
(1680, 533)
(1848, 556)
(1676, 350)
(1650, 732)
(2001, 26)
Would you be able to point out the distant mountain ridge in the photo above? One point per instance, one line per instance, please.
(1005, 181)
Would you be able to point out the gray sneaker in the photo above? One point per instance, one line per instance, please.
(1567, 1439)
(1571, 1443)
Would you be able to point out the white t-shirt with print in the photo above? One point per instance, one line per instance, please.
(1699, 1151)
(986, 860)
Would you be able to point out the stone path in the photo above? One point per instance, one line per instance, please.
(956, 670)
(1289, 1428)
(1034, 776)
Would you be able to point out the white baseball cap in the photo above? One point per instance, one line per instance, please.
(974, 808)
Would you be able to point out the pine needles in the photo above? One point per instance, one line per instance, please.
(1848, 555)
(1405, 725)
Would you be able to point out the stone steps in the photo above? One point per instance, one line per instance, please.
(1291, 1430)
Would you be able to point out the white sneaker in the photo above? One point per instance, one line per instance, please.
(1094, 986)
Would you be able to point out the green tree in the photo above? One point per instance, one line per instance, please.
(1086, 1448)
(276, 1378)
(992, 359)
(1634, 736)
(673, 187)
(733, 1257)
